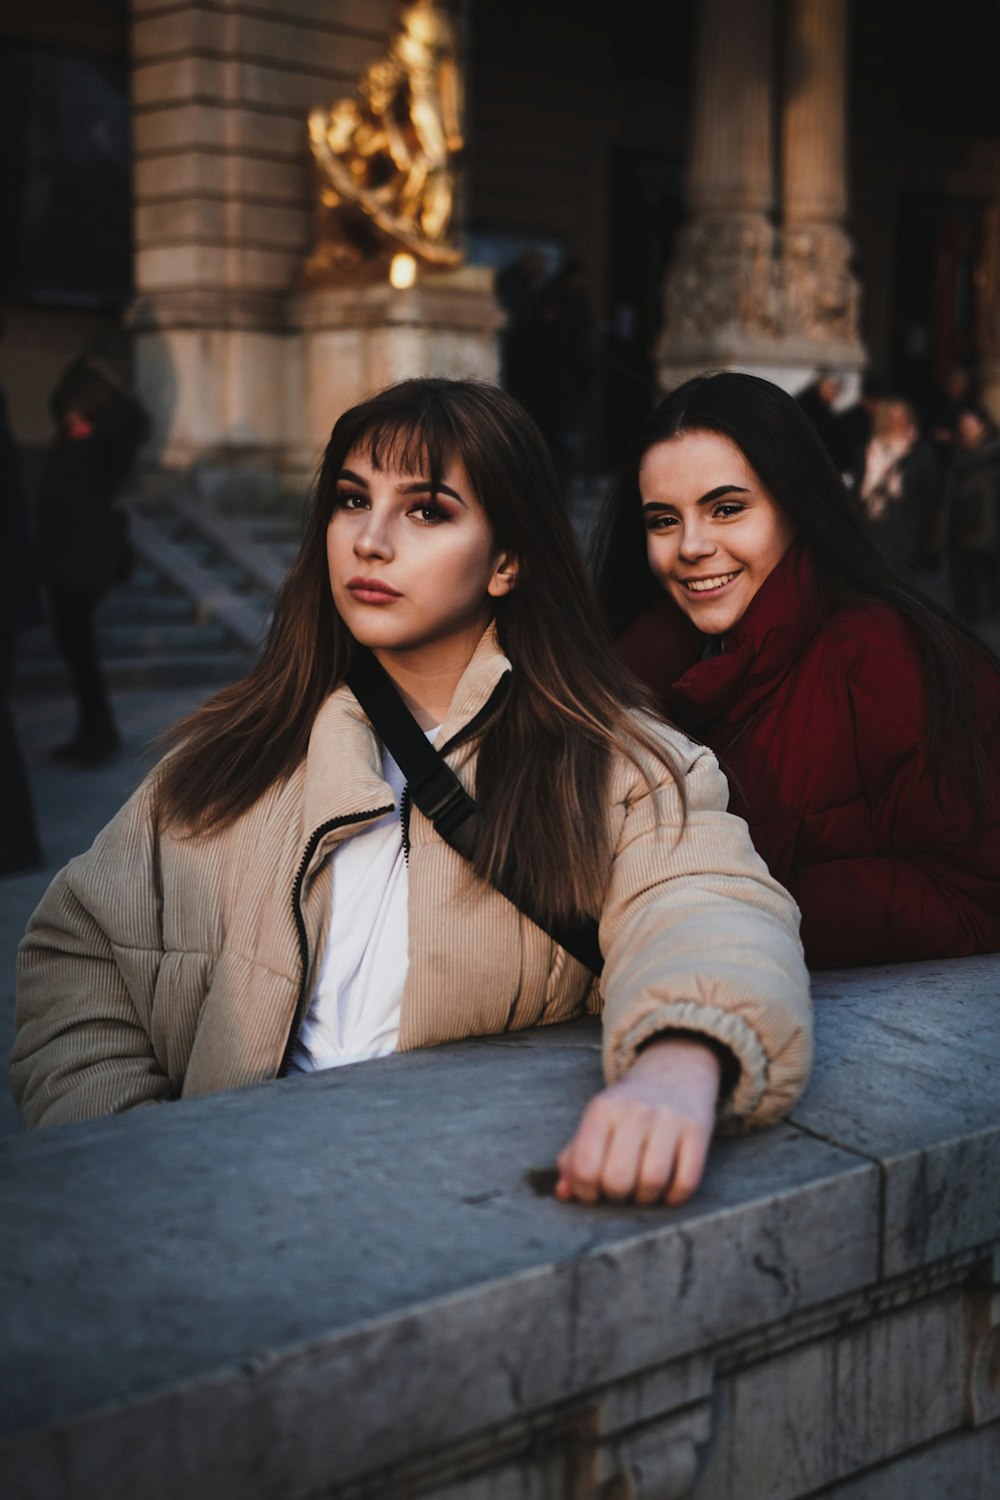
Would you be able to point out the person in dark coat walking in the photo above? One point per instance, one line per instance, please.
(83, 538)
(970, 517)
(859, 724)
(20, 607)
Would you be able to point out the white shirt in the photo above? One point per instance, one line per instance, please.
(354, 1013)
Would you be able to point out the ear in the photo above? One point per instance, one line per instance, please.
(504, 579)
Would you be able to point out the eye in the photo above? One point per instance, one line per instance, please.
(661, 522)
(349, 500)
(727, 508)
(429, 513)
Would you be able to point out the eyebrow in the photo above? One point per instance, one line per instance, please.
(418, 487)
(716, 494)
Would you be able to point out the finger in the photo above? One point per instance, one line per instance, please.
(692, 1153)
(585, 1156)
(657, 1164)
(562, 1188)
(620, 1172)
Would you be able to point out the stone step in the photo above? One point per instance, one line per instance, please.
(272, 529)
(47, 677)
(131, 605)
(195, 607)
(124, 638)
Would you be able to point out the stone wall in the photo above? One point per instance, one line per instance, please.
(224, 351)
(221, 92)
(345, 1285)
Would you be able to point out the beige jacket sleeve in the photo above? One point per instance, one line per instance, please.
(697, 936)
(86, 973)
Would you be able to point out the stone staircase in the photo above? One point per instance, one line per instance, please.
(197, 603)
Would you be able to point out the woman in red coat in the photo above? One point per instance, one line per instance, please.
(858, 723)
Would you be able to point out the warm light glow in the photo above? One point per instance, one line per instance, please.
(403, 271)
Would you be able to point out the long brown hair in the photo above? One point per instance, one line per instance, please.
(544, 756)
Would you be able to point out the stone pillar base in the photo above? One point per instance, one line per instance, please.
(212, 369)
(989, 376)
(252, 386)
(354, 340)
(741, 297)
(782, 367)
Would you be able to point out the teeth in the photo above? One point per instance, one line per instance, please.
(704, 585)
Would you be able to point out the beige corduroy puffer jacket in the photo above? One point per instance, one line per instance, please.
(159, 966)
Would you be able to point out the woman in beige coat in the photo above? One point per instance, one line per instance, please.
(270, 902)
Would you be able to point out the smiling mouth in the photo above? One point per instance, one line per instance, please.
(709, 585)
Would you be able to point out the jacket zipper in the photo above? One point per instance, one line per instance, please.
(300, 1003)
(473, 726)
(404, 821)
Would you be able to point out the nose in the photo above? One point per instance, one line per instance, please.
(372, 539)
(696, 542)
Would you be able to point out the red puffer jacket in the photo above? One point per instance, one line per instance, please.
(820, 722)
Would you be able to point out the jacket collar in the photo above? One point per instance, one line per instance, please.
(343, 771)
(763, 645)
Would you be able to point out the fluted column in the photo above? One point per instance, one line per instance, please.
(819, 291)
(720, 294)
(988, 309)
(731, 164)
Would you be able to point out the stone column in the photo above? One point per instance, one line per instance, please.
(720, 296)
(988, 309)
(819, 294)
(221, 94)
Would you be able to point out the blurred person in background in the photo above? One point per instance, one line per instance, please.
(969, 521)
(856, 423)
(944, 405)
(20, 607)
(900, 487)
(562, 367)
(83, 538)
(515, 286)
(818, 401)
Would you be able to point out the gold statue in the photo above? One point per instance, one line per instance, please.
(384, 162)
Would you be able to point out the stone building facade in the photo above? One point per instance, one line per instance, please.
(737, 184)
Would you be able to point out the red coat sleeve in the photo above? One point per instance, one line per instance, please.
(933, 889)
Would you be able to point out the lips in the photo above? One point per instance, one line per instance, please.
(372, 590)
(709, 586)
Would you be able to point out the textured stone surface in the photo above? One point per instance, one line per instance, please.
(963, 1467)
(788, 1426)
(274, 1292)
(307, 1248)
(908, 1073)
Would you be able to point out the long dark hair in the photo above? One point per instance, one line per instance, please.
(544, 757)
(784, 450)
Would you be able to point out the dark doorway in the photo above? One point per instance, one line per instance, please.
(646, 213)
(938, 249)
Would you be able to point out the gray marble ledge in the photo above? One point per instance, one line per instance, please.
(229, 1277)
(907, 1073)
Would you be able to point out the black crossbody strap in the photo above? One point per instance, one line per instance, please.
(434, 788)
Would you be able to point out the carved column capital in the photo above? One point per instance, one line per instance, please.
(722, 288)
(819, 294)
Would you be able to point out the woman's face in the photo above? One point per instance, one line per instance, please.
(411, 570)
(713, 533)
